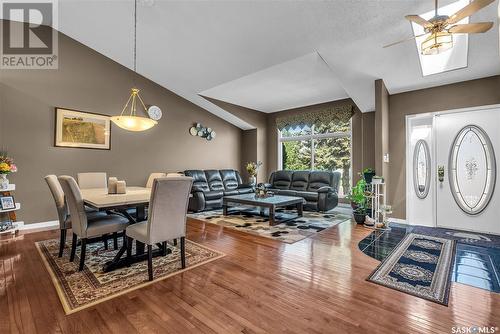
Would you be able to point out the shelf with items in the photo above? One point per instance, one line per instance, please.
(379, 208)
(8, 218)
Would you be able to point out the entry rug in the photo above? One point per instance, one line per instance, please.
(420, 265)
(79, 290)
(248, 220)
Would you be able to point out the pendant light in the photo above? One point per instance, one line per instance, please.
(129, 120)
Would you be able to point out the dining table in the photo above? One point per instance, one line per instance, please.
(135, 198)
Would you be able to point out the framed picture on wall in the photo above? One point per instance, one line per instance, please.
(82, 129)
(7, 203)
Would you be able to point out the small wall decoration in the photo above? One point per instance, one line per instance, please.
(82, 129)
(201, 131)
(7, 203)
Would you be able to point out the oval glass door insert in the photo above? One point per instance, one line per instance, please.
(472, 169)
(421, 169)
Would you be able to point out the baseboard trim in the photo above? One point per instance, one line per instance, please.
(398, 221)
(39, 227)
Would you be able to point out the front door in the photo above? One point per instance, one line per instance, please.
(466, 144)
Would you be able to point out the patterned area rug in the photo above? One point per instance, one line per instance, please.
(420, 265)
(79, 290)
(248, 220)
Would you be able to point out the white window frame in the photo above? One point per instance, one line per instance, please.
(313, 137)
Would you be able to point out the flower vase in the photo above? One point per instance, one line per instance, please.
(252, 180)
(4, 182)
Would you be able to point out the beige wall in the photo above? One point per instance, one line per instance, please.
(382, 125)
(255, 143)
(472, 93)
(88, 81)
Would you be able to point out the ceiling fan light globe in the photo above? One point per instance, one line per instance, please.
(437, 43)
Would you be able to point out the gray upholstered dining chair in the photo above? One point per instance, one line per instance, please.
(83, 226)
(63, 213)
(166, 217)
(62, 209)
(92, 180)
(152, 177)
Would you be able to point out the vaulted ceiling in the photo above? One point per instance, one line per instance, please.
(271, 55)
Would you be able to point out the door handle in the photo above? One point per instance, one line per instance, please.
(441, 173)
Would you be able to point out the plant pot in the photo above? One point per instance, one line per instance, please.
(368, 177)
(252, 180)
(359, 217)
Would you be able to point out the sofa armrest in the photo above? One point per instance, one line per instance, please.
(325, 189)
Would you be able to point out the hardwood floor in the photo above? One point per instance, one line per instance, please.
(313, 286)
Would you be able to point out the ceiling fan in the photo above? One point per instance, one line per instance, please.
(441, 27)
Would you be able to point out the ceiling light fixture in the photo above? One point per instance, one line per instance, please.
(130, 121)
(436, 43)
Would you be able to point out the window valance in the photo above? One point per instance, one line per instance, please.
(320, 116)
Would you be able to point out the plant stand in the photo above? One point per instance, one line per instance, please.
(8, 219)
(378, 202)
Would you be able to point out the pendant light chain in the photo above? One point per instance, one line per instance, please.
(135, 36)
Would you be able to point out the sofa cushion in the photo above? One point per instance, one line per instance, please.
(231, 192)
(213, 195)
(214, 179)
(229, 179)
(308, 196)
(282, 179)
(246, 190)
(300, 180)
(199, 180)
(286, 192)
(318, 179)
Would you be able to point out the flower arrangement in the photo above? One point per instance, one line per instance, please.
(7, 165)
(253, 168)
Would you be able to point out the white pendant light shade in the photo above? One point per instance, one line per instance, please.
(134, 123)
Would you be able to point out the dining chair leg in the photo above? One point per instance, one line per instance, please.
(164, 246)
(175, 242)
(183, 252)
(73, 248)
(105, 240)
(82, 254)
(62, 242)
(150, 262)
(115, 240)
(129, 242)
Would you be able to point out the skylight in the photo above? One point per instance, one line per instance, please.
(453, 59)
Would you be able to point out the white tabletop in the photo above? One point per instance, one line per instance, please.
(100, 199)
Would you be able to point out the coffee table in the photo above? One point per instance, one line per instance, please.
(270, 203)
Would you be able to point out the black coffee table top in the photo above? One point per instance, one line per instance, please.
(276, 200)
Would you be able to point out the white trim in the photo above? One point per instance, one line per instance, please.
(398, 221)
(38, 227)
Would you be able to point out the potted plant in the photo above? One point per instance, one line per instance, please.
(252, 170)
(358, 201)
(368, 174)
(7, 166)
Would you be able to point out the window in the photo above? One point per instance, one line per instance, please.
(319, 147)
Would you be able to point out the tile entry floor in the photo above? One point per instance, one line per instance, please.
(475, 265)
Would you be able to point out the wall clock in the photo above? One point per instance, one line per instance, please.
(154, 113)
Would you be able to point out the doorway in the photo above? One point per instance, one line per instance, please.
(451, 166)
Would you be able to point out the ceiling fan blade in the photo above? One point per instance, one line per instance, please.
(471, 28)
(468, 10)
(404, 40)
(418, 20)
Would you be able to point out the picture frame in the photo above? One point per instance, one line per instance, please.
(81, 129)
(7, 202)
